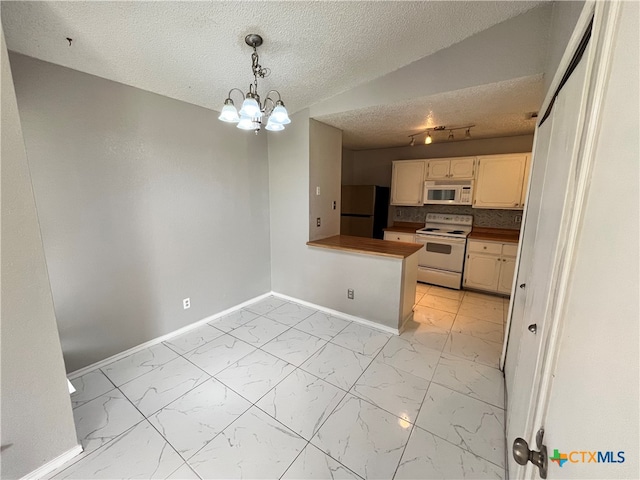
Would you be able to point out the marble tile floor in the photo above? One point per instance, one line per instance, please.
(280, 390)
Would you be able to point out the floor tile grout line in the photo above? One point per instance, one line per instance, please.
(468, 396)
(461, 393)
(459, 446)
(78, 458)
(467, 358)
(189, 467)
(167, 343)
(404, 449)
(294, 460)
(92, 399)
(128, 356)
(220, 432)
(501, 330)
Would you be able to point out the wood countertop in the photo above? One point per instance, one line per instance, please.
(404, 227)
(495, 234)
(370, 246)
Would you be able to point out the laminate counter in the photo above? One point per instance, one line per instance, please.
(404, 227)
(495, 234)
(371, 246)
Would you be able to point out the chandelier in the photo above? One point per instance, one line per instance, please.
(253, 110)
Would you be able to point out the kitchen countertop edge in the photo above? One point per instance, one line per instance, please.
(495, 234)
(367, 246)
(404, 227)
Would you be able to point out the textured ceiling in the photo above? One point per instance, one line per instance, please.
(195, 52)
(497, 110)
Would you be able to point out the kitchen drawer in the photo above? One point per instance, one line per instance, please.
(484, 247)
(510, 250)
(399, 237)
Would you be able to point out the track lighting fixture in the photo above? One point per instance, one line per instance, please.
(428, 139)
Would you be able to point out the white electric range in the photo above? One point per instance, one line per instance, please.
(441, 259)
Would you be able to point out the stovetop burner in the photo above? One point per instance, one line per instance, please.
(446, 225)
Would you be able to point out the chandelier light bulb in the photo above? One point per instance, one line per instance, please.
(280, 115)
(250, 108)
(274, 127)
(229, 113)
(246, 123)
(428, 139)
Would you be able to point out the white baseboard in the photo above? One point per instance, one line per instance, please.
(339, 314)
(78, 373)
(54, 464)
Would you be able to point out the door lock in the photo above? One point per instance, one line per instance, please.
(533, 328)
(522, 285)
(522, 454)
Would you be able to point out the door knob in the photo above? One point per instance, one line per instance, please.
(522, 454)
(533, 328)
(522, 285)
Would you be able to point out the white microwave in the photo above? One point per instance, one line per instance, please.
(448, 192)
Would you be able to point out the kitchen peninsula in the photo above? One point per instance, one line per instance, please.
(381, 273)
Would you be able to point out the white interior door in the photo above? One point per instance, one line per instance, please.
(589, 401)
(541, 257)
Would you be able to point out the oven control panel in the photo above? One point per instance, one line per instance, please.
(448, 218)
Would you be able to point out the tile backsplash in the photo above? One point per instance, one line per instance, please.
(481, 217)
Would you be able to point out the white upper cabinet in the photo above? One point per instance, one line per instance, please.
(500, 181)
(407, 182)
(438, 169)
(461, 168)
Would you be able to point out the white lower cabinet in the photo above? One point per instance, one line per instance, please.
(399, 236)
(490, 266)
(507, 269)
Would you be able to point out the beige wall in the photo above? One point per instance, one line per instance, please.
(563, 20)
(325, 164)
(37, 423)
(143, 201)
(321, 276)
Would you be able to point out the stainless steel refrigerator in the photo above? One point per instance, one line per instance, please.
(364, 210)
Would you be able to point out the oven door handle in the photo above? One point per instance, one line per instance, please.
(446, 240)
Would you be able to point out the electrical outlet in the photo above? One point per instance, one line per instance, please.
(317, 190)
(318, 222)
(186, 303)
(518, 218)
(334, 204)
(350, 293)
